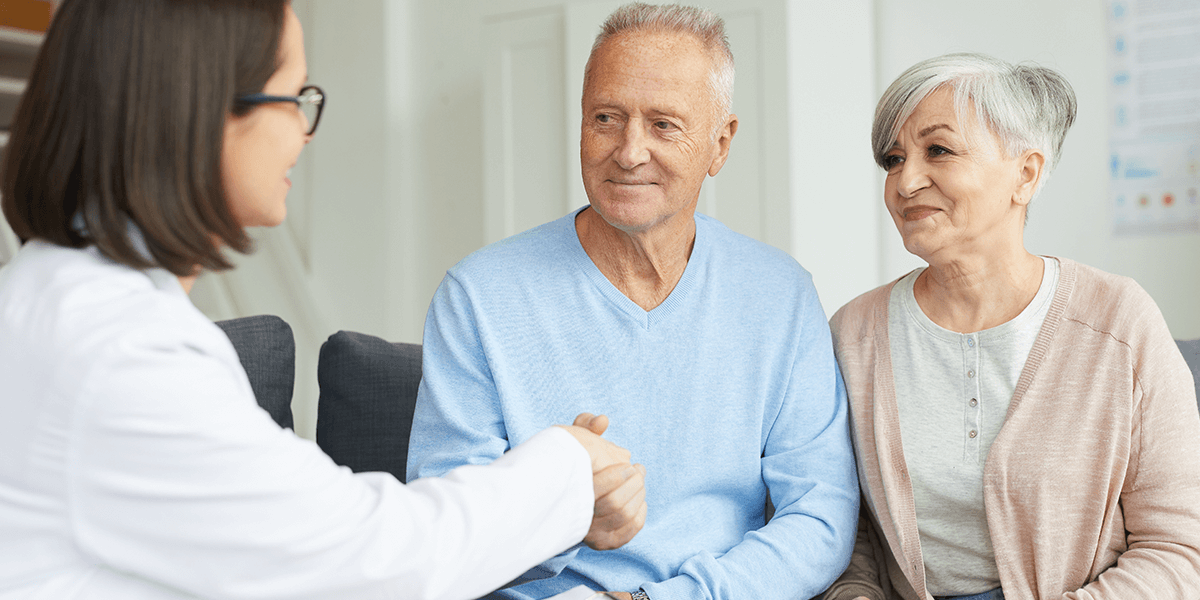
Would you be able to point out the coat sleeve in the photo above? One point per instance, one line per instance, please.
(1161, 497)
(178, 477)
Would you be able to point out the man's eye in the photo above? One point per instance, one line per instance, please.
(663, 124)
(603, 118)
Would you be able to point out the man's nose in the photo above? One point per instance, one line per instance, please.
(635, 146)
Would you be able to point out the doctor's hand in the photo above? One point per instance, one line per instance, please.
(620, 487)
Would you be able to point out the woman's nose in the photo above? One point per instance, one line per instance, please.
(912, 178)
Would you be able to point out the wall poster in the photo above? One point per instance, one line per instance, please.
(1154, 70)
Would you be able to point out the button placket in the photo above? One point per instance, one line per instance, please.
(972, 422)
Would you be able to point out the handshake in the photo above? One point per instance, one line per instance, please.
(620, 487)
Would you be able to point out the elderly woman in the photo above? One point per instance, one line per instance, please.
(1025, 425)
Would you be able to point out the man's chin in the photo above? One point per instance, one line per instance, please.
(631, 219)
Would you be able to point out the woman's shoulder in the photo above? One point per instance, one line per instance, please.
(1112, 311)
(58, 302)
(1107, 302)
(860, 314)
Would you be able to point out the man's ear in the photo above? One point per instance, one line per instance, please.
(726, 137)
(1029, 174)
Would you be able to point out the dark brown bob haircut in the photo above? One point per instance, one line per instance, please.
(123, 121)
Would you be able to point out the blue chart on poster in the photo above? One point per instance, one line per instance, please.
(1154, 99)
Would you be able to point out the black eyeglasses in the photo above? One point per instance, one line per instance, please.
(311, 102)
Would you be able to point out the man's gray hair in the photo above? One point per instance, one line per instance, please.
(1027, 106)
(704, 24)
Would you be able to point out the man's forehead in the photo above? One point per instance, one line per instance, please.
(651, 47)
(652, 55)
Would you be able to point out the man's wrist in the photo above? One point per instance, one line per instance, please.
(639, 595)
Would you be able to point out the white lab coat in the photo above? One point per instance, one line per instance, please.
(135, 464)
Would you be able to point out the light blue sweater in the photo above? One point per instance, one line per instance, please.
(725, 391)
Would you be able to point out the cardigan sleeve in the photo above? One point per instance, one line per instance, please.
(1161, 497)
(861, 578)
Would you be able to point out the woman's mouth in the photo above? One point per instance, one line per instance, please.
(916, 213)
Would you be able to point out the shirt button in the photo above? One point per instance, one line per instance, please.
(970, 373)
(971, 342)
(972, 434)
(974, 402)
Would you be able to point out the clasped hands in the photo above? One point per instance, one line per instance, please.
(620, 487)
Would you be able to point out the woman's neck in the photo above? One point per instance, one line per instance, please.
(975, 293)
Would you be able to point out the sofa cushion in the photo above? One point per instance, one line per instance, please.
(368, 393)
(1191, 353)
(267, 350)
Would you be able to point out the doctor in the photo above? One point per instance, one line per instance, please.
(134, 461)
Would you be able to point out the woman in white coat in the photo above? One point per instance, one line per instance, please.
(134, 461)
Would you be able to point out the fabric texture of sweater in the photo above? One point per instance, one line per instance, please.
(1092, 487)
(726, 390)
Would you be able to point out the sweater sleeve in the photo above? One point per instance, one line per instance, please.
(1161, 497)
(458, 418)
(178, 478)
(808, 467)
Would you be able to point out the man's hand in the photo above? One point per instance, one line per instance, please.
(620, 487)
(620, 595)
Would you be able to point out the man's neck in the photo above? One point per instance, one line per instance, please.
(644, 265)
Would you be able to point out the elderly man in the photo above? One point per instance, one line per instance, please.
(709, 350)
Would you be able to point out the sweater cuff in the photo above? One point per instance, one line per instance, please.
(680, 587)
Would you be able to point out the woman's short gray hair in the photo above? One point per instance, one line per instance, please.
(1027, 106)
(704, 24)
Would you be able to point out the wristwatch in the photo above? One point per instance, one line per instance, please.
(639, 595)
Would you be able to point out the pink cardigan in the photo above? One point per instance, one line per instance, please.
(1092, 488)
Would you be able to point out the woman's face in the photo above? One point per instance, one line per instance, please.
(950, 189)
(262, 146)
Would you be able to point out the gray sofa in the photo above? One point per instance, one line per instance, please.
(368, 388)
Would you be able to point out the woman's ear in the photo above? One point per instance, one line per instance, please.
(1029, 175)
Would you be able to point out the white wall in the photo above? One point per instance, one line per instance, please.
(391, 192)
(1071, 217)
(344, 258)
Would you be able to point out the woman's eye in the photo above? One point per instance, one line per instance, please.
(891, 161)
(936, 150)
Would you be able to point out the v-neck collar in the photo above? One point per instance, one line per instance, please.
(647, 319)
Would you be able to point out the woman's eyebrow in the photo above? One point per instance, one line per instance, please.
(933, 128)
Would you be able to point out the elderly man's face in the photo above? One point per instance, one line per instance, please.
(649, 118)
